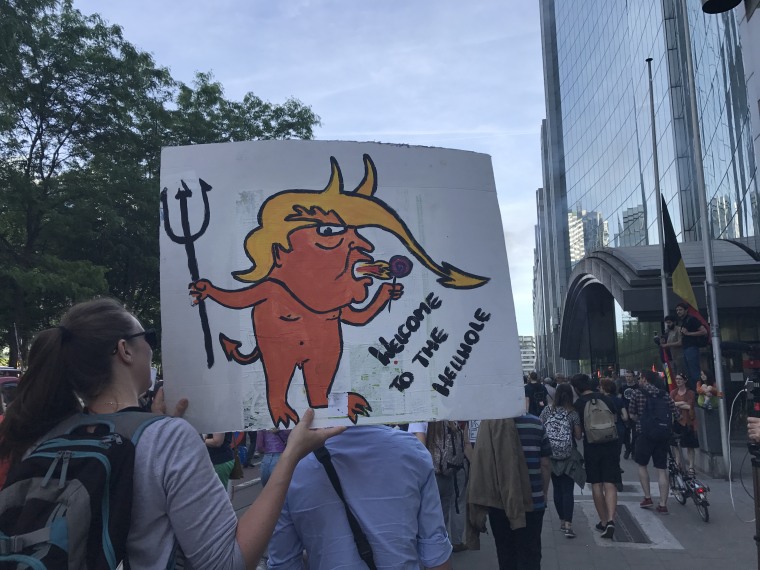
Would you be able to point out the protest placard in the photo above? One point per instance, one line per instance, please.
(368, 281)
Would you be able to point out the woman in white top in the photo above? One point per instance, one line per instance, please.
(101, 355)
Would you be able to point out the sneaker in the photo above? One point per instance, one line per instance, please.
(609, 532)
(569, 532)
(662, 509)
(646, 503)
(601, 527)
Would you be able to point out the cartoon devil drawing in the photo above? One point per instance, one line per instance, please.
(310, 267)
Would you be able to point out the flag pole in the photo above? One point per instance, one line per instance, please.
(656, 164)
(712, 301)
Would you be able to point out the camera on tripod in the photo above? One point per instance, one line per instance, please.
(752, 367)
(752, 384)
(753, 395)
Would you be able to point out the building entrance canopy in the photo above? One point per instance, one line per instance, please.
(631, 276)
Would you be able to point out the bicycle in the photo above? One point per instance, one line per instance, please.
(684, 485)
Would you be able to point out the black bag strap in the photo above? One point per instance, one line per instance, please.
(360, 539)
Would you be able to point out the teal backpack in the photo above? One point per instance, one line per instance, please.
(68, 503)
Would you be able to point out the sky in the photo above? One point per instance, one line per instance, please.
(445, 73)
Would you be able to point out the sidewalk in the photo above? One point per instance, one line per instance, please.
(678, 540)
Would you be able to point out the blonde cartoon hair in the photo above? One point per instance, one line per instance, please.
(290, 210)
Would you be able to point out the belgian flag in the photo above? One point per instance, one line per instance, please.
(674, 266)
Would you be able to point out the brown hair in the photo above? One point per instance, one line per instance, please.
(581, 382)
(66, 363)
(608, 386)
(563, 397)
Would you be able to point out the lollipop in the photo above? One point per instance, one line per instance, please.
(399, 266)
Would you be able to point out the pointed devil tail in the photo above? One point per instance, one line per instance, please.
(231, 350)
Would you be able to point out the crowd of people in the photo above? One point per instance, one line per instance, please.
(380, 496)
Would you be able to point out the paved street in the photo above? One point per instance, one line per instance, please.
(678, 540)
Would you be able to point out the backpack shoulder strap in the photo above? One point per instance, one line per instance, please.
(360, 539)
(129, 424)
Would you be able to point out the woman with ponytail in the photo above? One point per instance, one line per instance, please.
(98, 361)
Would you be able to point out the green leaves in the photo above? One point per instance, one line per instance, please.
(203, 115)
(83, 117)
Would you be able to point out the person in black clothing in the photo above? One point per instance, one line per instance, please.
(691, 330)
(536, 395)
(221, 454)
(602, 459)
(626, 393)
(609, 388)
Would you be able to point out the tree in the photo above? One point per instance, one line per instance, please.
(203, 115)
(83, 116)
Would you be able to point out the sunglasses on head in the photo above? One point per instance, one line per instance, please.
(151, 337)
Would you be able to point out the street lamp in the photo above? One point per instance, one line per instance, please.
(718, 6)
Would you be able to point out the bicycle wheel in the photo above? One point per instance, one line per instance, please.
(702, 510)
(676, 487)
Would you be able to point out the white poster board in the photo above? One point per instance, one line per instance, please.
(367, 280)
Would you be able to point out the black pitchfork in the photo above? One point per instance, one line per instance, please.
(188, 240)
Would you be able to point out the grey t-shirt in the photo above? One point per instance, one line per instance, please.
(178, 496)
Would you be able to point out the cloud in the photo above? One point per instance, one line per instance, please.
(443, 73)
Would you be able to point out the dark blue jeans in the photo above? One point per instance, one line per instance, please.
(518, 549)
(268, 462)
(564, 501)
(691, 359)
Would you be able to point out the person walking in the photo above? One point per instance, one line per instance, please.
(600, 450)
(516, 481)
(445, 441)
(221, 455)
(563, 426)
(536, 395)
(270, 444)
(609, 388)
(551, 388)
(685, 400)
(627, 394)
(654, 412)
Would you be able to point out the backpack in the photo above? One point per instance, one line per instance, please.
(68, 503)
(599, 422)
(559, 431)
(448, 457)
(656, 419)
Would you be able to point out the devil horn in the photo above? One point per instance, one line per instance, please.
(368, 185)
(335, 186)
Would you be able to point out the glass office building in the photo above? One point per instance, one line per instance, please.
(599, 188)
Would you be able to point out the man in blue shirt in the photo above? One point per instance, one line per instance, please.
(389, 484)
